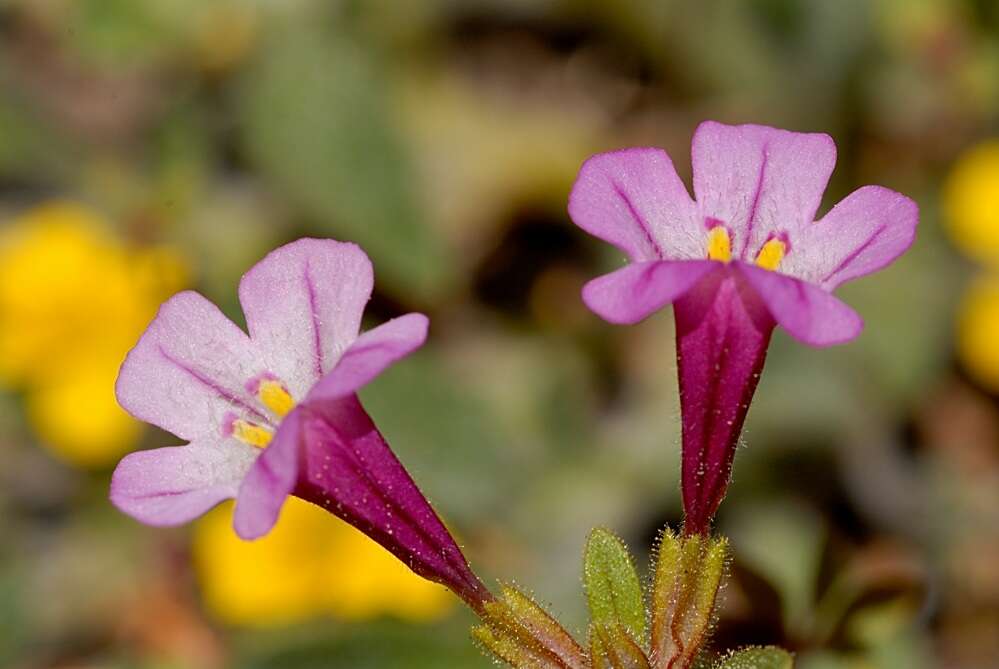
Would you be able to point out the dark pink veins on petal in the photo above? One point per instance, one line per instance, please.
(856, 252)
(225, 394)
(639, 219)
(751, 220)
(310, 290)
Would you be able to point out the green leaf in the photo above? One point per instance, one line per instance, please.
(612, 586)
(317, 125)
(768, 657)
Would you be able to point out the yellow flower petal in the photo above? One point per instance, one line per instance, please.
(365, 580)
(309, 565)
(267, 582)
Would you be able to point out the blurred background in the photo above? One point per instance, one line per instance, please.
(147, 146)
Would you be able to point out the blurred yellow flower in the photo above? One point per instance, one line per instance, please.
(73, 301)
(978, 332)
(971, 211)
(971, 202)
(311, 564)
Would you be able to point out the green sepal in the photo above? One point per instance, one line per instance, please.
(612, 647)
(613, 590)
(509, 649)
(765, 657)
(522, 634)
(687, 577)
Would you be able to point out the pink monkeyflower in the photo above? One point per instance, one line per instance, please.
(276, 413)
(745, 254)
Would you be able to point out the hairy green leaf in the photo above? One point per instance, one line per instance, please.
(612, 586)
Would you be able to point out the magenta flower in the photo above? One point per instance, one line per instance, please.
(276, 412)
(745, 254)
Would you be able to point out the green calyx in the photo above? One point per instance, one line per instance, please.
(624, 632)
(519, 632)
(685, 585)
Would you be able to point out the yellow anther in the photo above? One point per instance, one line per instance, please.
(771, 254)
(275, 397)
(251, 434)
(719, 244)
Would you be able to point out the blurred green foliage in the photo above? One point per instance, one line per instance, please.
(443, 137)
(317, 119)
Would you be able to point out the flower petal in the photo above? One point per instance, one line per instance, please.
(271, 479)
(722, 333)
(759, 181)
(634, 200)
(810, 314)
(862, 234)
(303, 306)
(170, 486)
(370, 354)
(189, 370)
(349, 470)
(633, 292)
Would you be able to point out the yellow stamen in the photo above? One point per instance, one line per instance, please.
(251, 434)
(771, 254)
(719, 244)
(275, 397)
